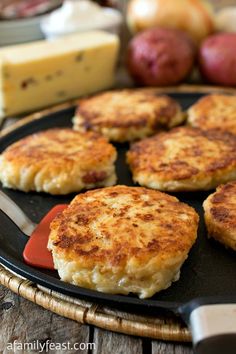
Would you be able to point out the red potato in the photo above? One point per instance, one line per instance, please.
(160, 57)
(217, 59)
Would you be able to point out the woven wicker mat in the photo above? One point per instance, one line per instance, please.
(164, 328)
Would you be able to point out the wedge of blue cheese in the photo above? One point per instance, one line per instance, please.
(40, 74)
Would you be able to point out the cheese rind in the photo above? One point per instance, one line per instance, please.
(40, 74)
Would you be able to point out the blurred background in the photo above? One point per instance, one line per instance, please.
(141, 53)
(24, 20)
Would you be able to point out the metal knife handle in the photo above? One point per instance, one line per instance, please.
(213, 329)
(17, 216)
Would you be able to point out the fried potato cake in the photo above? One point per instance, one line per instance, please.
(184, 159)
(126, 115)
(214, 112)
(123, 240)
(58, 161)
(220, 214)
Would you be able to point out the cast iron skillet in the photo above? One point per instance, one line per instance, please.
(208, 277)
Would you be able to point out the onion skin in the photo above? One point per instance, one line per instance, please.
(194, 17)
(226, 19)
(217, 59)
(160, 57)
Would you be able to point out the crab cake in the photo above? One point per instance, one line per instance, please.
(126, 115)
(220, 214)
(123, 240)
(184, 159)
(58, 161)
(214, 112)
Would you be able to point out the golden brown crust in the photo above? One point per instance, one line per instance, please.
(57, 161)
(214, 112)
(220, 214)
(112, 226)
(55, 143)
(124, 115)
(184, 159)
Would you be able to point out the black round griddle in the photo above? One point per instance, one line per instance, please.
(209, 272)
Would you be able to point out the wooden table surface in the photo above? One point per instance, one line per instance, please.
(26, 322)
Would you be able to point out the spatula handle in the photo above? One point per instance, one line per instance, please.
(17, 216)
(213, 329)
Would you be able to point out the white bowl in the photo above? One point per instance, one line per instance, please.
(51, 33)
(19, 31)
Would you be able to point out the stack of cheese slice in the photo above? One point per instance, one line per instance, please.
(43, 73)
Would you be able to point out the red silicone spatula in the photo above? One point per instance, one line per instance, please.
(35, 252)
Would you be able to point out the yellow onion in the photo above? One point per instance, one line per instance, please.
(192, 16)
